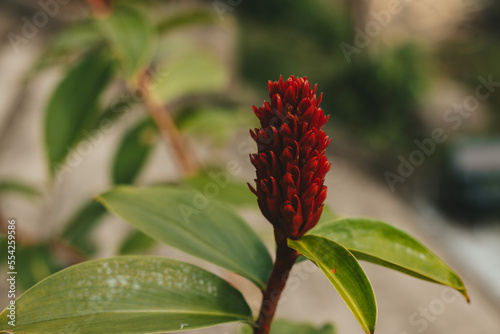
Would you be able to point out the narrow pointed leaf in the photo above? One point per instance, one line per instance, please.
(134, 151)
(78, 230)
(195, 224)
(130, 34)
(73, 108)
(345, 274)
(127, 295)
(380, 243)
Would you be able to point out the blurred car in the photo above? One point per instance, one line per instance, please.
(471, 179)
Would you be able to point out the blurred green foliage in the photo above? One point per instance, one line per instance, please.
(374, 97)
(475, 52)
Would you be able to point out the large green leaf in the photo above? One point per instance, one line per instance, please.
(345, 274)
(230, 190)
(134, 151)
(130, 294)
(131, 37)
(136, 242)
(197, 72)
(195, 224)
(78, 230)
(73, 107)
(380, 243)
(216, 123)
(187, 19)
(281, 326)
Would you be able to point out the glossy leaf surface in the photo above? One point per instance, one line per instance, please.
(128, 295)
(383, 244)
(196, 224)
(346, 275)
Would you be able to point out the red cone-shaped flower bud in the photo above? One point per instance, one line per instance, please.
(291, 163)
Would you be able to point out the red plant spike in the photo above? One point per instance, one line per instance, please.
(291, 163)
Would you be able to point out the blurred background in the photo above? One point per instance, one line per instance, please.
(99, 93)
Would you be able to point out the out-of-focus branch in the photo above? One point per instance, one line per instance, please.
(101, 7)
(166, 125)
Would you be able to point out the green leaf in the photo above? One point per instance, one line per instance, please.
(130, 34)
(73, 39)
(136, 242)
(326, 216)
(73, 107)
(281, 326)
(34, 263)
(115, 111)
(134, 151)
(78, 230)
(229, 190)
(197, 72)
(18, 187)
(187, 18)
(129, 294)
(380, 243)
(196, 224)
(345, 274)
(215, 123)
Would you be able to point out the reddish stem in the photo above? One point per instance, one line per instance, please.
(285, 258)
(167, 127)
(101, 8)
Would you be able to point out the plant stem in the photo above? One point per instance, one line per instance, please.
(101, 8)
(285, 258)
(166, 125)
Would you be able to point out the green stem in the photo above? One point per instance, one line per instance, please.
(285, 258)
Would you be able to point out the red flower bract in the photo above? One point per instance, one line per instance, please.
(291, 163)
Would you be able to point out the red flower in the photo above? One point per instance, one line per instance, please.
(291, 163)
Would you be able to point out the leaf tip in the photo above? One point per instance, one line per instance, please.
(99, 199)
(466, 295)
